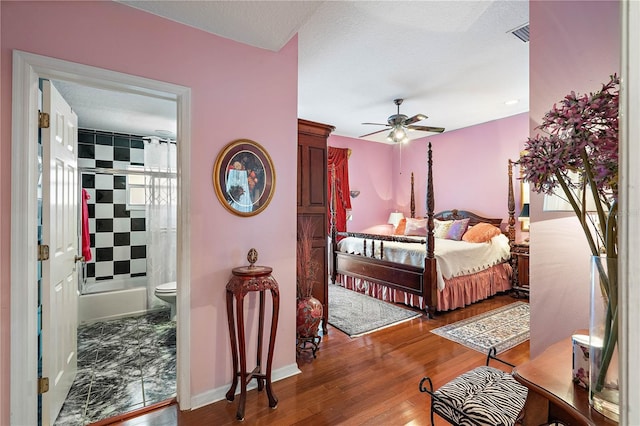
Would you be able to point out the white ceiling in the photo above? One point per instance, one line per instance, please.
(454, 61)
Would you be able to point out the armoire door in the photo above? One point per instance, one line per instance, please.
(312, 199)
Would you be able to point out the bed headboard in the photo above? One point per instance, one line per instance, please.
(464, 214)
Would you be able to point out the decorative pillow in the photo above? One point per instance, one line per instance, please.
(401, 226)
(416, 227)
(481, 233)
(441, 227)
(457, 229)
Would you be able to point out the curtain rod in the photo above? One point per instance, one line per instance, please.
(140, 171)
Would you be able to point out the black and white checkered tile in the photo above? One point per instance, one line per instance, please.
(118, 233)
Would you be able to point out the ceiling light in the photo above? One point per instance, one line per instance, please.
(398, 134)
(512, 102)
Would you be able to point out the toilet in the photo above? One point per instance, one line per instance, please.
(167, 292)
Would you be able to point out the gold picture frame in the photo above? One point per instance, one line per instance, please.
(244, 177)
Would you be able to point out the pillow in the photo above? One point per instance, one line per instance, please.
(401, 226)
(481, 233)
(416, 227)
(441, 227)
(457, 229)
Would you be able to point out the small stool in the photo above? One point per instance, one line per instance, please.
(244, 280)
(483, 396)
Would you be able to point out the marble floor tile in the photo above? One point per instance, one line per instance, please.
(160, 387)
(123, 365)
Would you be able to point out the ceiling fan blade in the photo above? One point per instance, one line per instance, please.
(415, 119)
(373, 133)
(377, 124)
(427, 129)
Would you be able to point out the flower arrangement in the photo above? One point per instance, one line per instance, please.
(306, 267)
(579, 154)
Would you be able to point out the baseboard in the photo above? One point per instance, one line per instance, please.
(218, 394)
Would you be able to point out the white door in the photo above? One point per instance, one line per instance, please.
(60, 233)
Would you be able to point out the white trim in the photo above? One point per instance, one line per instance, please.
(215, 395)
(183, 248)
(629, 232)
(27, 68)
(24, 298)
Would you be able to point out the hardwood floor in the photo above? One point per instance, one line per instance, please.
(369, 380)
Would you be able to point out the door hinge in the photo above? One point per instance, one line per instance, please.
(43, 252)
(43, 385)
(43, 120)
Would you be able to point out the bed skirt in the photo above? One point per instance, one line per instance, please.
(457, 293)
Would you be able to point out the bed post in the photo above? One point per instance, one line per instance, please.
(511, 204)
(413, 199)
(332, 224)
(430, 283)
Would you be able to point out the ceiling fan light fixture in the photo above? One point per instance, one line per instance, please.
(399, 125)
(398, 134)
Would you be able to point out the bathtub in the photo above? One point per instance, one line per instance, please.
(111, 299)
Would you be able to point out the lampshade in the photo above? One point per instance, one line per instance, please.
(395, 218)
(524, 213)
(398, 134)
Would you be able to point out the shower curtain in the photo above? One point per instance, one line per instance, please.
(160, 165)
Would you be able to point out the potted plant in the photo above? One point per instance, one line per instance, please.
(579, 154)
(309, 309)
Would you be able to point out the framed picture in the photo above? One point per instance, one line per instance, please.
(244, 178)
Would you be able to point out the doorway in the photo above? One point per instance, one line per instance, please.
(27, 69)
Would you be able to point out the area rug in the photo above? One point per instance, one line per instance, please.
(502, 328)
(358, 314)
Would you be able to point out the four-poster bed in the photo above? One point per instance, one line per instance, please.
(373, 271)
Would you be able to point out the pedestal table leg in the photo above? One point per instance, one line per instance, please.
(259, 378)
(234, 347)
(243, 356)
(273, 400)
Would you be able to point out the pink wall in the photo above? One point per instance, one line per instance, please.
(370, 173)
(574, 46)
(470, 172)
(229, 82)
(469, 167)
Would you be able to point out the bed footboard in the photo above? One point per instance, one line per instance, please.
(407, 278)
(402, 277)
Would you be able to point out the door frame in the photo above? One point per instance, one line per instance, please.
(27, 69)
(629, 226)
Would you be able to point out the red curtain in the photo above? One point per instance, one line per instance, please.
(338, 178)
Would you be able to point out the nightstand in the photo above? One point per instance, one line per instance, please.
(520, 265)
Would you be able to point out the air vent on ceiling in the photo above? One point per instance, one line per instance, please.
(521, 32)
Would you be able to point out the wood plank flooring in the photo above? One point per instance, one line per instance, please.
(369, 380)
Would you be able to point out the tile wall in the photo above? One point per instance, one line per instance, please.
(118, 234)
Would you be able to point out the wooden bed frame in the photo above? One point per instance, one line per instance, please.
(410, 279)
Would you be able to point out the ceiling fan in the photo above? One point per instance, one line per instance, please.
(400, 124)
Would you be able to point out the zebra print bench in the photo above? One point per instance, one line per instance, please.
(484, 396)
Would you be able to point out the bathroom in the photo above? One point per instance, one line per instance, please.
(127, 288)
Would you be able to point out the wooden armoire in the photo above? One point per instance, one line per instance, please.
(312, 199)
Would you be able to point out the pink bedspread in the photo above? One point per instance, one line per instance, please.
(458, 291)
